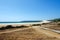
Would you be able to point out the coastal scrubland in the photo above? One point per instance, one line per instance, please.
(28, 33)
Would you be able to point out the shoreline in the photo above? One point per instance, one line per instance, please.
(19, 24)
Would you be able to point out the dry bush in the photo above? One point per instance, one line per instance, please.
(36, 24)
(22, 26)
(11, 27)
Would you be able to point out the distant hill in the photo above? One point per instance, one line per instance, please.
(30, 21)
(20, 22)
(55, 20)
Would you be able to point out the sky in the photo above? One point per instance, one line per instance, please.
(19, 10)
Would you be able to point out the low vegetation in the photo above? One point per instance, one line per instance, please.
(36, 24)
(10, 27)
(56, 20)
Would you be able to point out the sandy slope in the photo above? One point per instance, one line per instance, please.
(34, 33)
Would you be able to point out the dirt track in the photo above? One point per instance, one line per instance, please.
(38, 30)
(47, 32)
(32, 33)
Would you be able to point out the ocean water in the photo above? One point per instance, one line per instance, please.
(18, 22)
(11, 23)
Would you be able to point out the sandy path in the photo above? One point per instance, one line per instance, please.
(47, 32)
(38, 30)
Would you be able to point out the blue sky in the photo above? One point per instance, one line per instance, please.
(18, 10)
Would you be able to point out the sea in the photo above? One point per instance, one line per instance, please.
(18, 22)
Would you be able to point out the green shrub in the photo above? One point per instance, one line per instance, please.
(2, 28)
(22, 26)
(36, 25)
(9, 26)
